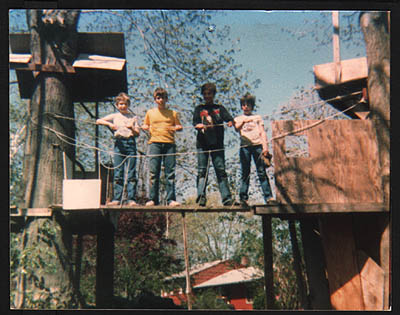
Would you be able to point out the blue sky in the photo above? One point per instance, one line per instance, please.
(282, 62)
(277, 58)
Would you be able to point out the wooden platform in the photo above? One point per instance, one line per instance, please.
(260, 209)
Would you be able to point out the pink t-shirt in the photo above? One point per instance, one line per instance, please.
(250, 133)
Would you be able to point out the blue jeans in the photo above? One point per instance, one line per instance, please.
(125, 166)
(169, 161)
(218, 160)
(245, 160)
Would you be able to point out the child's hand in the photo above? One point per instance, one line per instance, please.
(113, 127)
(200, 126)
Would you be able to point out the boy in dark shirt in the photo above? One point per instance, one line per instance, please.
(208, 119)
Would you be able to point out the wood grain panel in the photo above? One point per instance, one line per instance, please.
(342, 166)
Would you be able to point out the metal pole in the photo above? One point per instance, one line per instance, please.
(96, 153)
(188, 285)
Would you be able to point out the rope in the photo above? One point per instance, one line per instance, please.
(74, 142)
(285, 111)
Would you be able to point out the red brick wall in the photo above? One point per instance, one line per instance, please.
(237, 297)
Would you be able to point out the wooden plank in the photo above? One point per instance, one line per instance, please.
(342, 166)
(47, 68)
(351, 70)
(268, 263)
(99, 62)
(32, 212)
(372, 281)
(320, 208)
(19, 58)
(341, 263)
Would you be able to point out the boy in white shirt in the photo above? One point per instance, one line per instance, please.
(126, 128)
(253, 143)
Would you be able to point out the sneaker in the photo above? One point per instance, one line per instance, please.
(113, 203)
(244, 203)
(131, 203)
(231, 203)
(271, 201)
(174, 203)
(201, 201)
(150, 203)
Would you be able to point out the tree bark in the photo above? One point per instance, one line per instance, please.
(47, 269)
(376, 29)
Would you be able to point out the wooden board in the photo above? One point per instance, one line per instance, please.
(372, 281)
(342, 165)
(341, 263)
(350, 70)
(320, 208)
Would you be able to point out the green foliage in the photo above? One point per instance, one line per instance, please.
(320, 29)
(210, 300)
(34, 263)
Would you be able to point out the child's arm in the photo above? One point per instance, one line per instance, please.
(197, 119)
(146, 122)
(239, 124)
(135, 127)
(263, 134)
(226, 116)
(178, 126)
(106, 121)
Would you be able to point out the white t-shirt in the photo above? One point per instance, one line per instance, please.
(122, 121)
(250, 133)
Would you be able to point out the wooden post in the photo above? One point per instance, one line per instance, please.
(188, 285)
(315, 265)
(96, 152)
(336, 45)
(301, 285)
(268, 262)
(78, 262)
(105, 265)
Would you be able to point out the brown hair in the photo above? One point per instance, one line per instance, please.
(209, 86)
(124, 98)
(160, 92)
(248, 99)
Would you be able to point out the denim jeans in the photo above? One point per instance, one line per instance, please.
(169, 161)
(125, 168)
(203, 165)
(245, 160)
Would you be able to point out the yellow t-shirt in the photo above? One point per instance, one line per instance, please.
(160, 122)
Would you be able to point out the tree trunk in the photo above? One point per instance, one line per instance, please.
(376, 29)
(46, 268)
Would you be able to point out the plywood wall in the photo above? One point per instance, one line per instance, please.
(341, 165)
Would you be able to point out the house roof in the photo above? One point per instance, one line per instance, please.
(234, 276)
(195, 269)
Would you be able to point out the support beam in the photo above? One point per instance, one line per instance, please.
(268, 263)
(315, 264)
(105, 266)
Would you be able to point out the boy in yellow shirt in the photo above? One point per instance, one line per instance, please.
(162, 124)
